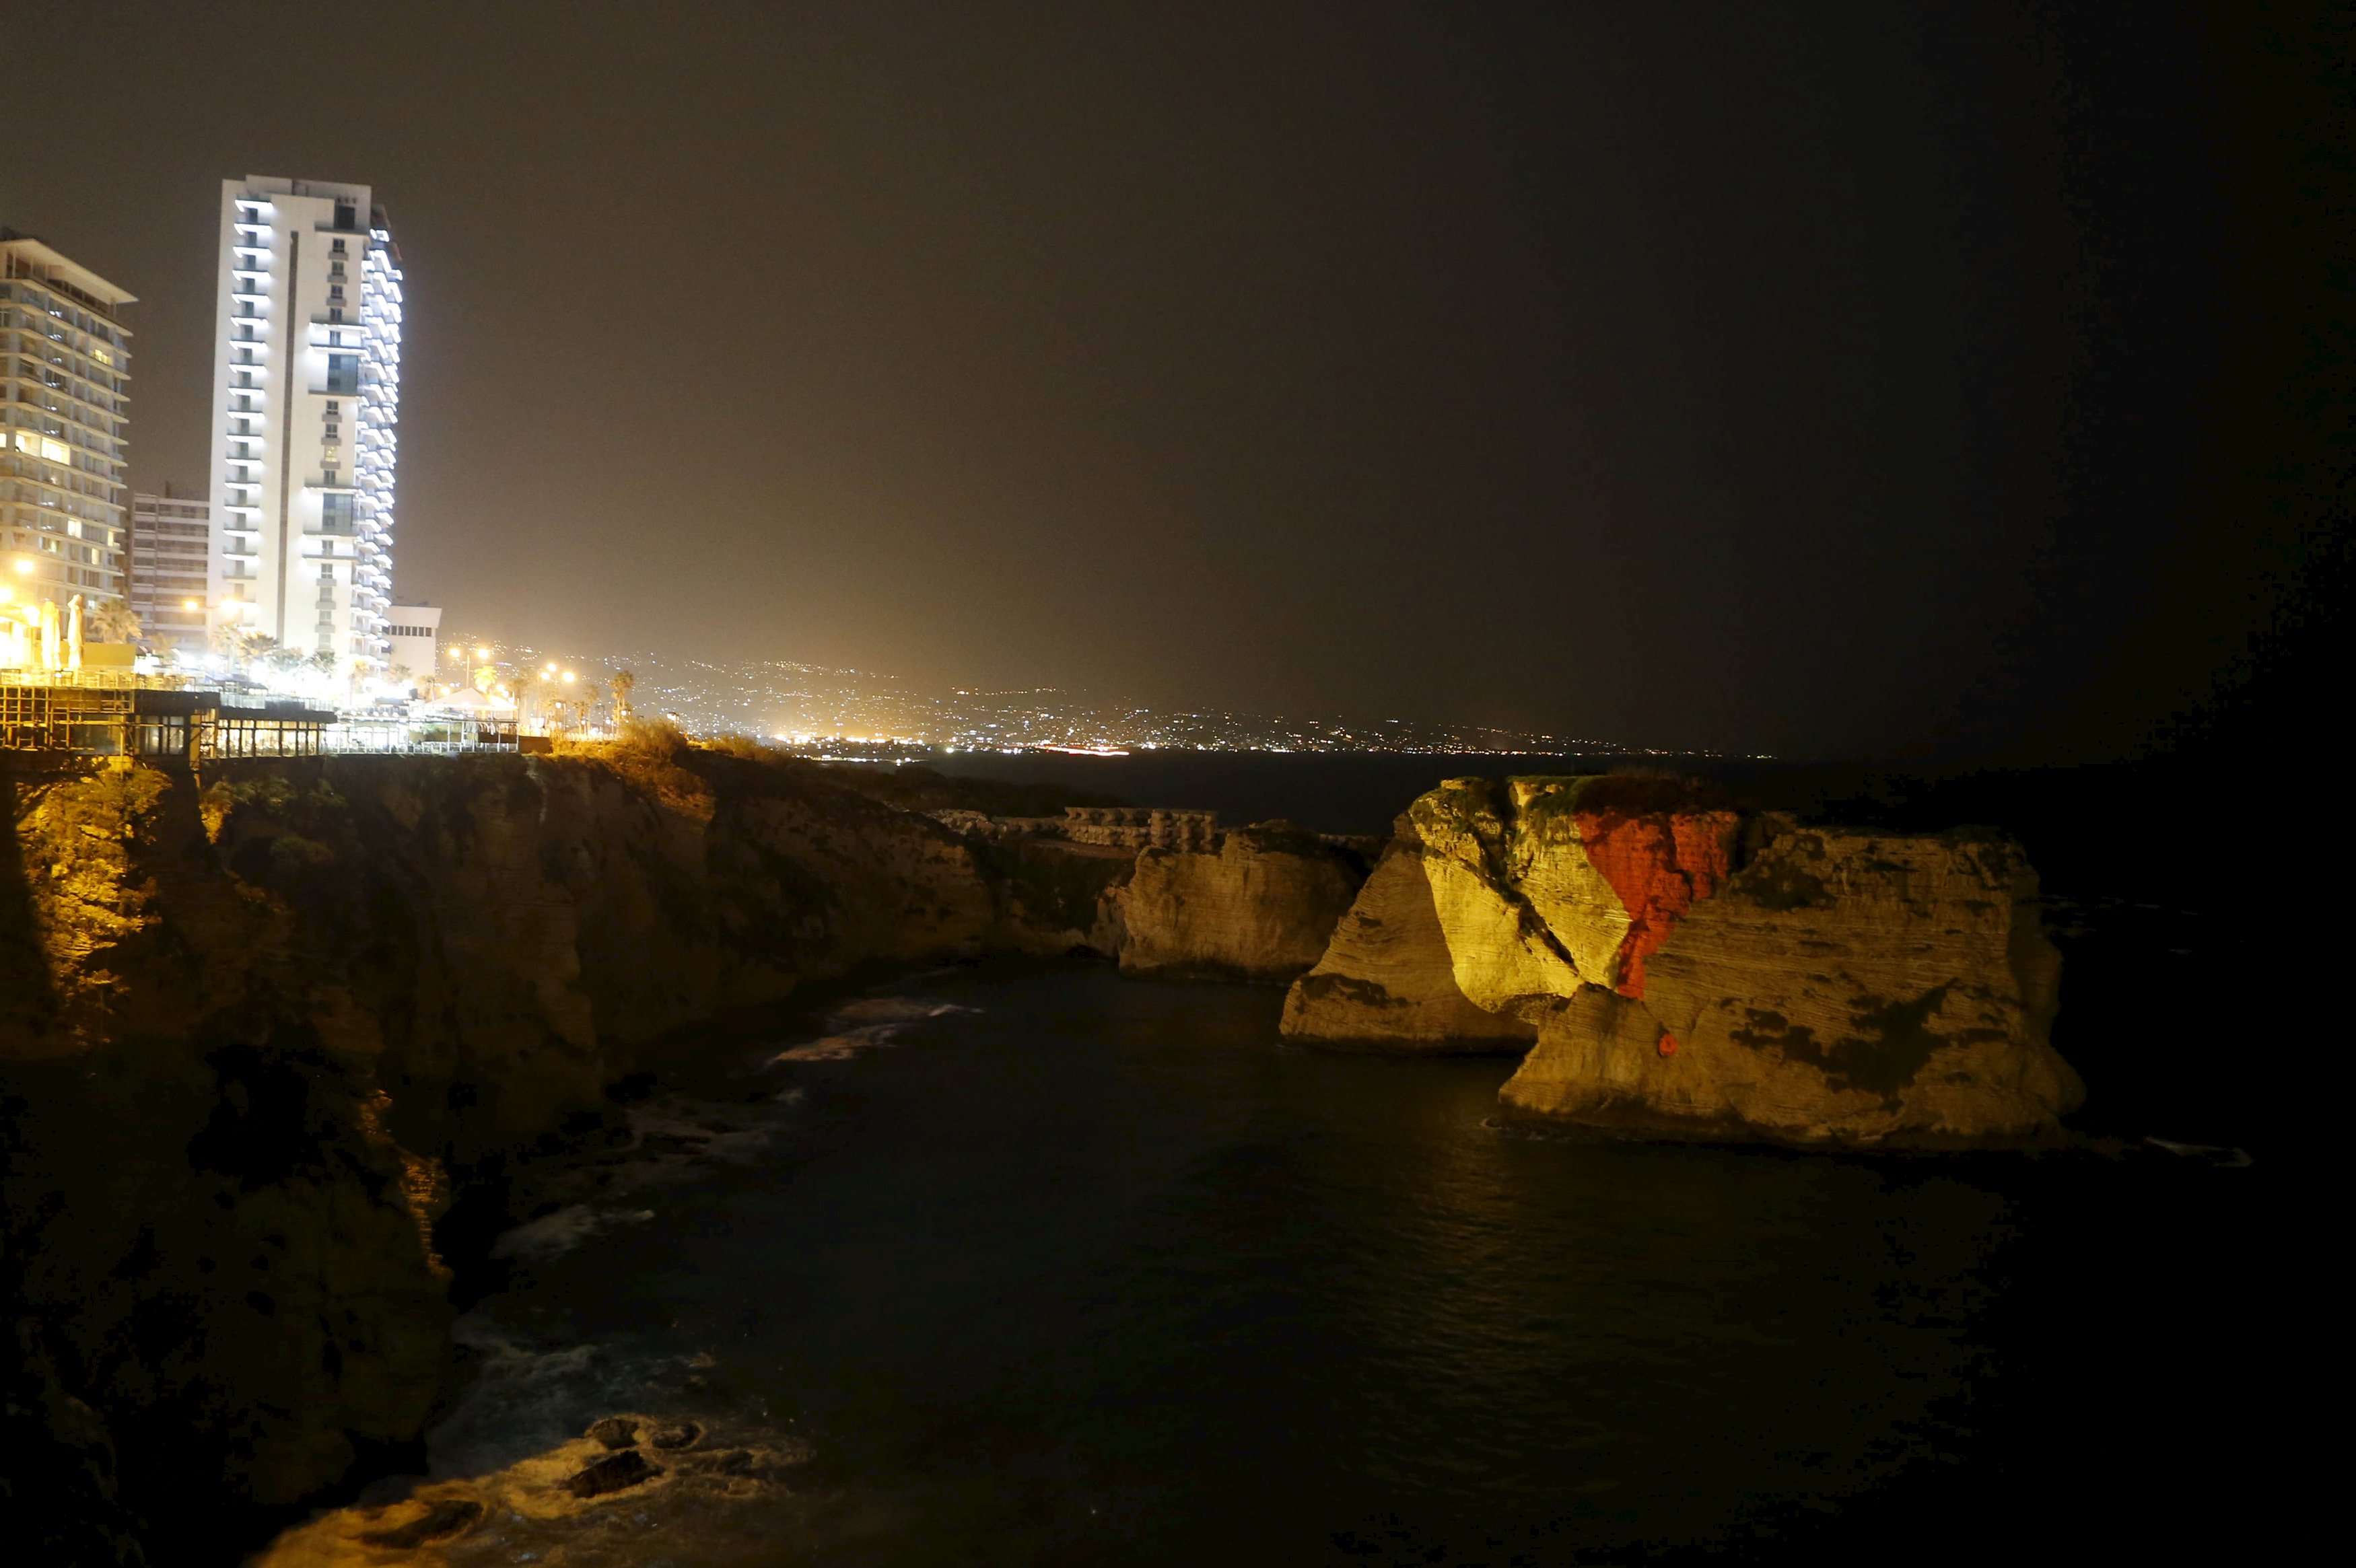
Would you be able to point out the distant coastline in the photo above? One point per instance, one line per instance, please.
(835, 714)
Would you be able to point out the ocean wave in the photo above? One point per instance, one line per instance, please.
(563, 1231)
(868, 1024)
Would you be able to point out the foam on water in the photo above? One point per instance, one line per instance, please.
(552, 1235)
(867, 1024)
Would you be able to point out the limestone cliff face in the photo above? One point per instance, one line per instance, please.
(1385, 980)
(253, 1031)
(1692, 971)
(1262, 907)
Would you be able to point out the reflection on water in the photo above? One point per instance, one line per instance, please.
(1098, 1270)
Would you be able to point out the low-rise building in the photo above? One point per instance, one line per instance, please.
(413, 635)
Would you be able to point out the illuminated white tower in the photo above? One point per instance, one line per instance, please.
(307, 395)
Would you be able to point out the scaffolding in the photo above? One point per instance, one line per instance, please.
(64, 718)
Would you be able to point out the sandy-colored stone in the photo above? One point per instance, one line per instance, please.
(1260, 909)
(1695, 973)
(1386, 981)
(1849, 987)
(1505, 956)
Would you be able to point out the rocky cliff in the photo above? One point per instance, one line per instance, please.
(1690, 970)
(258, 1031)
(1386, 981)
(1262, 907)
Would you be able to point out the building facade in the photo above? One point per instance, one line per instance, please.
(170, 558)
(307, 397)
(412, 634)
(64, 426)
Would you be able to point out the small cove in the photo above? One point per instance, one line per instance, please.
(1059, 1266)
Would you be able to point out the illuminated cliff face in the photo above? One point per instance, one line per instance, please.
(1689, 970)
(254, 1029)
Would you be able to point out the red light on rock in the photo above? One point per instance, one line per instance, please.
(1668, 1045)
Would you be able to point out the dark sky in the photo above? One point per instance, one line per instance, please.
(1818, 378)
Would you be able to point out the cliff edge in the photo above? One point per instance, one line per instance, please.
(270, 1036)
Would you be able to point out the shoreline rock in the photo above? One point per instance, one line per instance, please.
(1697, 972)
(1259, 909)
(277, 1041)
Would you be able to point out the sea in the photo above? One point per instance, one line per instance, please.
(1045, 1266)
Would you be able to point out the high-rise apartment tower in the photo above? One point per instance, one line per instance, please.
(307, 392)
(64, 423)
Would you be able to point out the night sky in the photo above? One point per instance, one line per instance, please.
(1888, 377)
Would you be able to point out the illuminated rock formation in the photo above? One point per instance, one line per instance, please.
(1694, 972)
(1386, 982)
(1260, 908)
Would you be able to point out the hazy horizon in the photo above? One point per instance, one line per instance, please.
(1818, 380)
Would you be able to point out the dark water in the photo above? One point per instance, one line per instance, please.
(1100, 1271)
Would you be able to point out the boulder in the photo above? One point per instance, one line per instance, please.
(613, 1473)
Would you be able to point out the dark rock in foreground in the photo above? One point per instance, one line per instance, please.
(612, 1473)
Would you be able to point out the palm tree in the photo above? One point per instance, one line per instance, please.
(622, 682)
(113, 621)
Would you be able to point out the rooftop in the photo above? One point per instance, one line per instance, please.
(26, 257)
